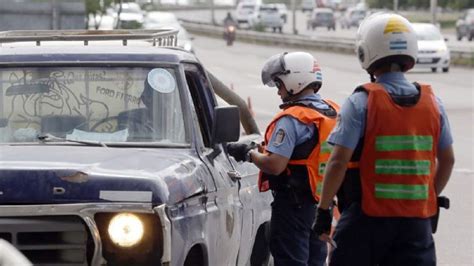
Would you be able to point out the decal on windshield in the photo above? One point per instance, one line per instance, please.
(161, 80)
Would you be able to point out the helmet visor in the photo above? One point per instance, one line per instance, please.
(274, 67)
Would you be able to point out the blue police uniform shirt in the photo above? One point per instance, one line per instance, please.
(289, 132)
(351, 121)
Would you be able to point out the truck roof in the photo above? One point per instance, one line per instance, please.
(89, 46)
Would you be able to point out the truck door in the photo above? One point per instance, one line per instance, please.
(223, 205)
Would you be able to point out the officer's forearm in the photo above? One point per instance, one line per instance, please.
(333, 179)
(272, 164)
(334, 174)
(445, 166)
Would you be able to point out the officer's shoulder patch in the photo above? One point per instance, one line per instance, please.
(279, 137)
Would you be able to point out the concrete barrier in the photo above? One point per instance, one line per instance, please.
(459, 56)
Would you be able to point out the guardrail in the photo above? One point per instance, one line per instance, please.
(459, 56)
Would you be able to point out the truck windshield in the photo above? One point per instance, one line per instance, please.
(107, 105)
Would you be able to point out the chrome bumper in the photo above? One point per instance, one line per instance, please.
(86, 212)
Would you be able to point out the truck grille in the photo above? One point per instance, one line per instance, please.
(52, 240)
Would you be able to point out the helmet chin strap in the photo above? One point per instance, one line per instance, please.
(372, 77)
(287, 99)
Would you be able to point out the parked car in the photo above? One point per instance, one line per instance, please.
(282, 10)
(113, 153)
(433, 52)
(243, 11)
(266, 16)
(130, 16)
(465, 25)
(352, 17)
(322, 17)
(166, 20)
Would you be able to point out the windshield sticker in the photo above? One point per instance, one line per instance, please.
(118, 136)
(161, 80)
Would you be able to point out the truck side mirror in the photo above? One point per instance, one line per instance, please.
(226, 127)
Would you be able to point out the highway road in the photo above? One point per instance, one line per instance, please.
(300, 25)
(239, 66)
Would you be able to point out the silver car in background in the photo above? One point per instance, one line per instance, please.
(433, 52)
(266, 16)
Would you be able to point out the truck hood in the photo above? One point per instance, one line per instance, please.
(69, 174)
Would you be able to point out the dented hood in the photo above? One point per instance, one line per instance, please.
(69, 174)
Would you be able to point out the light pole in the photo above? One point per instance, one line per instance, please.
(395, 6)
(213, 18)
(434, 7)
(293, 8)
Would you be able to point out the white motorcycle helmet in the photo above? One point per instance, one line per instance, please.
(385, 38)
(296, 70)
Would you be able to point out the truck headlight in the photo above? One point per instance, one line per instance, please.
(125, 229)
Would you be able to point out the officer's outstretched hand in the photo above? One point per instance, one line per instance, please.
(322, 225)
(239, 150)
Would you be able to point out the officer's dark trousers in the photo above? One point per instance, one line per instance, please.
(291, 241)
(363, 240)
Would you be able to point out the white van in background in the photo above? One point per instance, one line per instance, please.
(244, 11)
(308, 5)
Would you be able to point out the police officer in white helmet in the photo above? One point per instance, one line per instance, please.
(398, 135)
(292, 157)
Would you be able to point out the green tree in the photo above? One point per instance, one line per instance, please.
(461, 4)
(96, 9)
(405, 4)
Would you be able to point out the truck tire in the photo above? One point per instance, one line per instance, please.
(195, 257)
(261, 248)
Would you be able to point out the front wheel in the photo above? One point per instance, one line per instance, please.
(261, 248)
(445, 69)
(433, 69)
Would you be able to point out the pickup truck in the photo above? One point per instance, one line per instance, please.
(112, 152)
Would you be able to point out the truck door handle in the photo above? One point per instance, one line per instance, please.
(234, 175)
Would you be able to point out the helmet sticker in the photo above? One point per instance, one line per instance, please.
(161, 80)
(395, 25)
(317, 70)
(398, 45)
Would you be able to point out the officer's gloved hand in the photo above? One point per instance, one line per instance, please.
(322, 225)
(239, 150)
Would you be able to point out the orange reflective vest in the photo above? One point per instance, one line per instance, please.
(318, 157)
(398, 159)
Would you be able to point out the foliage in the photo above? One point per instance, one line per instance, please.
(96, 9)
(259, 27)
(408, 4)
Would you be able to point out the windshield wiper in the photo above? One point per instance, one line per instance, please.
(51, 138)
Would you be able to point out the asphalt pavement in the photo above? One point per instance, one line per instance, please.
(300, 26)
